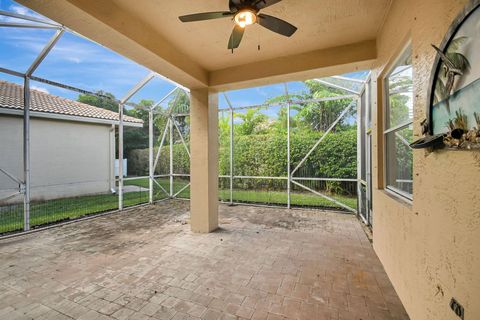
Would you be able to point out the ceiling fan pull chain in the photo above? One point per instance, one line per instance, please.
(258, 36)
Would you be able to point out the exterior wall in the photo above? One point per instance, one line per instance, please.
(430, 248)
(67, 158)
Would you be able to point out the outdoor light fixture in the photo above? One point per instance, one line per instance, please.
(245, 18)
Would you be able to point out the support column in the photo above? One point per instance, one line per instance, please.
(232, 120)
(359, 110)
(113, 156)
(26, 154)
(204, 160)
(120, 157)
(289, 168)
(171, 157)
(151, 172)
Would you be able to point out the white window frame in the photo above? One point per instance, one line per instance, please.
(386, 102)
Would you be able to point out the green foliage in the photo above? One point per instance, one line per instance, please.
(137, 138)
(138, 161)
(259, 140)
(180, 104)
(260, 144)
(104, 100)
(251, 122)
(399, 86)
(133, 138)
(318, 116)
(266, 155)
(50, 211)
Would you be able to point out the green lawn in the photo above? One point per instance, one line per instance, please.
(45, 212)
(304, 199)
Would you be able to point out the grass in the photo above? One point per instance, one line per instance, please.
(51, 211)
(304, 199)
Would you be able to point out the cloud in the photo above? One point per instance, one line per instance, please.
(261, 91)
(15, 8)
(74, 60)
(38, 88)
(20, 10)
(32, 41)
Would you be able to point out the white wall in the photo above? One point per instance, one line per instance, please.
(67, 158)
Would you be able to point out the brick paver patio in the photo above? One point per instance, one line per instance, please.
(145, 263)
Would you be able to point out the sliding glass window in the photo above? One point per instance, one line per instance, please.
(398, 133)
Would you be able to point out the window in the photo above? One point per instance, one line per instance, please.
(398, 132)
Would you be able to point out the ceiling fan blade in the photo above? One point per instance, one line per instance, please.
(262, 4)
(276, 25)
(235, 37)
(205, 16)
(235, 5)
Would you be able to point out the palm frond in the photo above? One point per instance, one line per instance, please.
(440, 92)
(477, 119)
(459, 60)
(461, 120)
(456, 43)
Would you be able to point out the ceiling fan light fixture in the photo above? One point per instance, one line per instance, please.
(245, 13)
(245, 17)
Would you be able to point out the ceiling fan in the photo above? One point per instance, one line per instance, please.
(245, 13)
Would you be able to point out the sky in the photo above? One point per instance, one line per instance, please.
(78, 62)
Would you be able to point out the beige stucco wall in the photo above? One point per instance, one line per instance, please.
(204, 160)
(430, 248)
(67, 158)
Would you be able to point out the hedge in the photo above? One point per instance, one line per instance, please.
(138, 161)
(266, 155)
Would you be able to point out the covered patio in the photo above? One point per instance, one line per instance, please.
(145, 263)
(289, 159)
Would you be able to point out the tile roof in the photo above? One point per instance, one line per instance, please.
(11, 97)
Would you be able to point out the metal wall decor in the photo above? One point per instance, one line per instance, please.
(453, 112)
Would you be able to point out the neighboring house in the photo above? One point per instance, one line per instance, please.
(72, 145)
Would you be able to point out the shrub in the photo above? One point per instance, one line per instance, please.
(266, 155)
(138, 161)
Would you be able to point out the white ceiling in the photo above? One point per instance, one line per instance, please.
(321, 24)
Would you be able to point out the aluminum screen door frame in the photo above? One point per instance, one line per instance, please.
(365, 209)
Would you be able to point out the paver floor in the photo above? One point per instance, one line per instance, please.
(144, 263)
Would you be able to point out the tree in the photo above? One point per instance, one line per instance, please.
(180, 105)
(137, 138)
(224, 127)
(319, 116)
(399, 91)
(104, 100)
(251, 123)
(133, 138)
